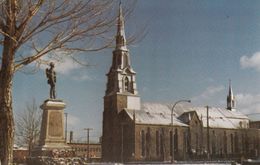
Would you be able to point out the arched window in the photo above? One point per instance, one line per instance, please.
(143, 142)
(236, 143)
(157, 143)
(176, 141)
(148, 142)
(232, 143)
(162, 148)
(171, 142)
(197, 142)
(126, 85)
(225, 142)
(213, 145)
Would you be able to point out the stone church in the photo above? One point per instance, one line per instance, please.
(150, 132)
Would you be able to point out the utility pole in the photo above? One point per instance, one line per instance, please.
(122, 142)
(88, 129)
(208, 148)
(66, 117)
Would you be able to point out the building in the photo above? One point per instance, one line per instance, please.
(121, 93)
(81, 150)
(150, 132)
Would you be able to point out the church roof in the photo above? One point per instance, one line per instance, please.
(154, 114)
(160, 114)
(221, 118)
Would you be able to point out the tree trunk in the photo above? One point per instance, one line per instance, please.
(6, 119)
(6, 77)
(6, 111)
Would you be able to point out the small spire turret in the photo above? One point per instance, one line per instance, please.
(230, 98)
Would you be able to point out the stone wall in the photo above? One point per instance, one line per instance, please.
(153, 142)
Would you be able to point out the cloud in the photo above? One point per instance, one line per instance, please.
(65, 65)
(248, 103)
(210, 91)
(251, 62)
(208, 95)
(73, 121)
(81, 77)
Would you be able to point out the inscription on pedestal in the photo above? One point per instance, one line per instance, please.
(52, 128)
(55, 124)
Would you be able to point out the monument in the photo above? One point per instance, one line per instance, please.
(52, 142)
(51, 75)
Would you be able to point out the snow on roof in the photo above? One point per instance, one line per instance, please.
(160, 114)
(221, 118)
(155, 113)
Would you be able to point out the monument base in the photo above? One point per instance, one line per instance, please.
(53, 161)
(52, 144)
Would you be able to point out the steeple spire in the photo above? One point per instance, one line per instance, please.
(230, 92)
(120, 37)
(230, 98)
(121, 76)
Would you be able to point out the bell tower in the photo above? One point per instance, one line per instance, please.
(121, 93)
(121, 78)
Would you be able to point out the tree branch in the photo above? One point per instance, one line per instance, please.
(32, 11)
(7, 35)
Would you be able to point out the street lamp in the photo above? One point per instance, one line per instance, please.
(172, 125)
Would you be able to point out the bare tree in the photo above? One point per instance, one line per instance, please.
(28, 124)
(41, 27)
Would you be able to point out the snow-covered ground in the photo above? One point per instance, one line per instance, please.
(176, 163)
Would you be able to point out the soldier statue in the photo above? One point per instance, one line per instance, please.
(51, 75)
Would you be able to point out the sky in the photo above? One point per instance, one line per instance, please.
(190, 51)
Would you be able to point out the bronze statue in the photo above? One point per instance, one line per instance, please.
(51, 75)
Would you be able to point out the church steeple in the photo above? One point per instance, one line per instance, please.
(230, 98)
(120, 37)
(121, 94)
(121, 76)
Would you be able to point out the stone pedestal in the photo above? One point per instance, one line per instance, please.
(52, 128)
(52, 142)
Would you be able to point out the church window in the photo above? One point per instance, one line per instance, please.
(126, 85)
(213, 143)
(171, 142)
(236, 143)
(197, 141)
(232, 143)
(148, 142)
(157, 143)
(225, 142)
(161, 145)
(186, 142)
(175, 140)
(143, 142)
(243, 142)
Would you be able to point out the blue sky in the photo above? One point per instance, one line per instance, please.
(191, 50)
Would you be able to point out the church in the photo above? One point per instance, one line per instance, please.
(135, 131)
